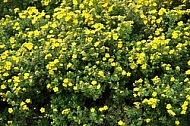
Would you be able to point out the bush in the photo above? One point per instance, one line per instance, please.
(95, 63)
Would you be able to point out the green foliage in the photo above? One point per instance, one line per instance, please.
(94, 62)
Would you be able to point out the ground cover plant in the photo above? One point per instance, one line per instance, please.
(94, 62)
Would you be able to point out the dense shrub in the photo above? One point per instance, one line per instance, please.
(95, 62)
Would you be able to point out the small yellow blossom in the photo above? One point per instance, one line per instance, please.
(28, 101)
(105, 107)
(3, 86)
(148, 120)
(168, 106)
(180, 23)
(25, 107)
(92, 110)
(188, 63)
(101, 73)
(5, 1)
(98, 86)
(55, 110)
(65, 111)
(26, 75)
(187, 72)
(107, 55)
(154, 94)
(48, 86)
(22, 103)
(42, 110)
(171, 112)
(124, 72)
(75, 88)
(9, 122)
(115, 36)
(10, 110)
(161, 11)
(177, 122)
(172, 79)
(69, 65)
(55, 89)
(120, 123)
(175, 35)
(94, 82)
(128, 74)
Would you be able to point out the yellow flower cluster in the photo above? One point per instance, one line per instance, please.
(104, 108)
(152, 102)
(85, 47)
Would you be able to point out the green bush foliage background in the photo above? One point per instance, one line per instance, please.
(108, 62)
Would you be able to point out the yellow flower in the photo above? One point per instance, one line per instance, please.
(42, 110)
(148, 120)
(65, 111)
(120, 123)
(6, 74)
(26, 75)
(104, 58)
(98, 87)
(55, 110)
(70, 84)
(9, 122)
(161, 11)
(177, 122)
(69, 65)
(92, 110)
(180, 23)
(22, 103)
(187, 72)
(5, 1)
(29, 45)
(107, 55)
(186, 79)
(154, 94)
(28, 100)
(175, 34)
(113, 64)
(115, 36)
(101, 73)
(3, 86)
(55, 89)
(177, 68)
(48, 86)
(120, 44)
(188, 63)
(8, 65)
(183, 112)
(119, 68)
(128, 74)
(124, 72)
(45, 2)
(94, 82)
(133, 66)
(12, 40)
(105, 107)
(143, 66)
(2, 46)
(25, 107)
(96, 44)
(74, 56)
(172, 79)
(10, 110)
(168, 106)
(75, 88)
(66, 80)
(142, 15)
(171, 112)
